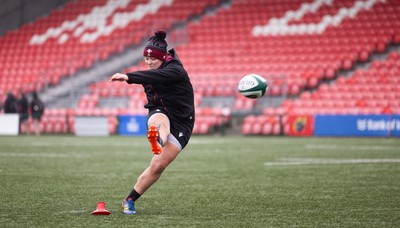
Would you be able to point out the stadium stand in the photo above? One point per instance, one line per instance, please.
(79, 34)
(300, 46)
(357, 29)
(375, 90)
(235, 42)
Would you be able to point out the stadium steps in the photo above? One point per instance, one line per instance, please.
(79, 82)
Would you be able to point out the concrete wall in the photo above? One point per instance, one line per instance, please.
(14, 13)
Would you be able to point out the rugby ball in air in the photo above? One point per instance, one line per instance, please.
(252, 86)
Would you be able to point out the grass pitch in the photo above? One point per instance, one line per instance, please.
(56, 181)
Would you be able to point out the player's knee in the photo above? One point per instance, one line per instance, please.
(158, 167)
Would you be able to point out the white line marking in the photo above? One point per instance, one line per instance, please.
(83, 144)
(207, 141)
(326, 161)
(43, 155)
(348, 147)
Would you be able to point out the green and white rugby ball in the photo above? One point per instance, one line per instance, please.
(252, 86)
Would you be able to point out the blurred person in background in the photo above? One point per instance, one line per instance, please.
(10, 104)
(37, 108)
(170, 107)
(23, 112)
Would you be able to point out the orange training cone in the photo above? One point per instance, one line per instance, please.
(101, 209)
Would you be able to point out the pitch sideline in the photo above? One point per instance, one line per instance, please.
(326, 161)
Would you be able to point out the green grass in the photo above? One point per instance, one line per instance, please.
(56, 181)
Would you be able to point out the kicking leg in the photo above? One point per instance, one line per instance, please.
(158, 131)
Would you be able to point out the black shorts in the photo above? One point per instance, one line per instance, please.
(182, 131)
(23, 117)
(37, 116)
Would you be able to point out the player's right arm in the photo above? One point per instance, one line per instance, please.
(119, 77)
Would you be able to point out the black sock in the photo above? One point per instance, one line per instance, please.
(134, 195)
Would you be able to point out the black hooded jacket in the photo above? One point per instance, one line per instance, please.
(168, 88)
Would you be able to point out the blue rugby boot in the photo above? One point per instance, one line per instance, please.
(129, 206)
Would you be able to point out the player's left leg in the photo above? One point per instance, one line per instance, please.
(150, 175)
(165, 147)
(157, 165)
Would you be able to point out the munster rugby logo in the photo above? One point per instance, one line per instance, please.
(299, 124)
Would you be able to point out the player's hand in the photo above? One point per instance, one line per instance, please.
(119, 77)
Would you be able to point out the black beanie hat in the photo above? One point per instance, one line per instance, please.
(157, 46)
